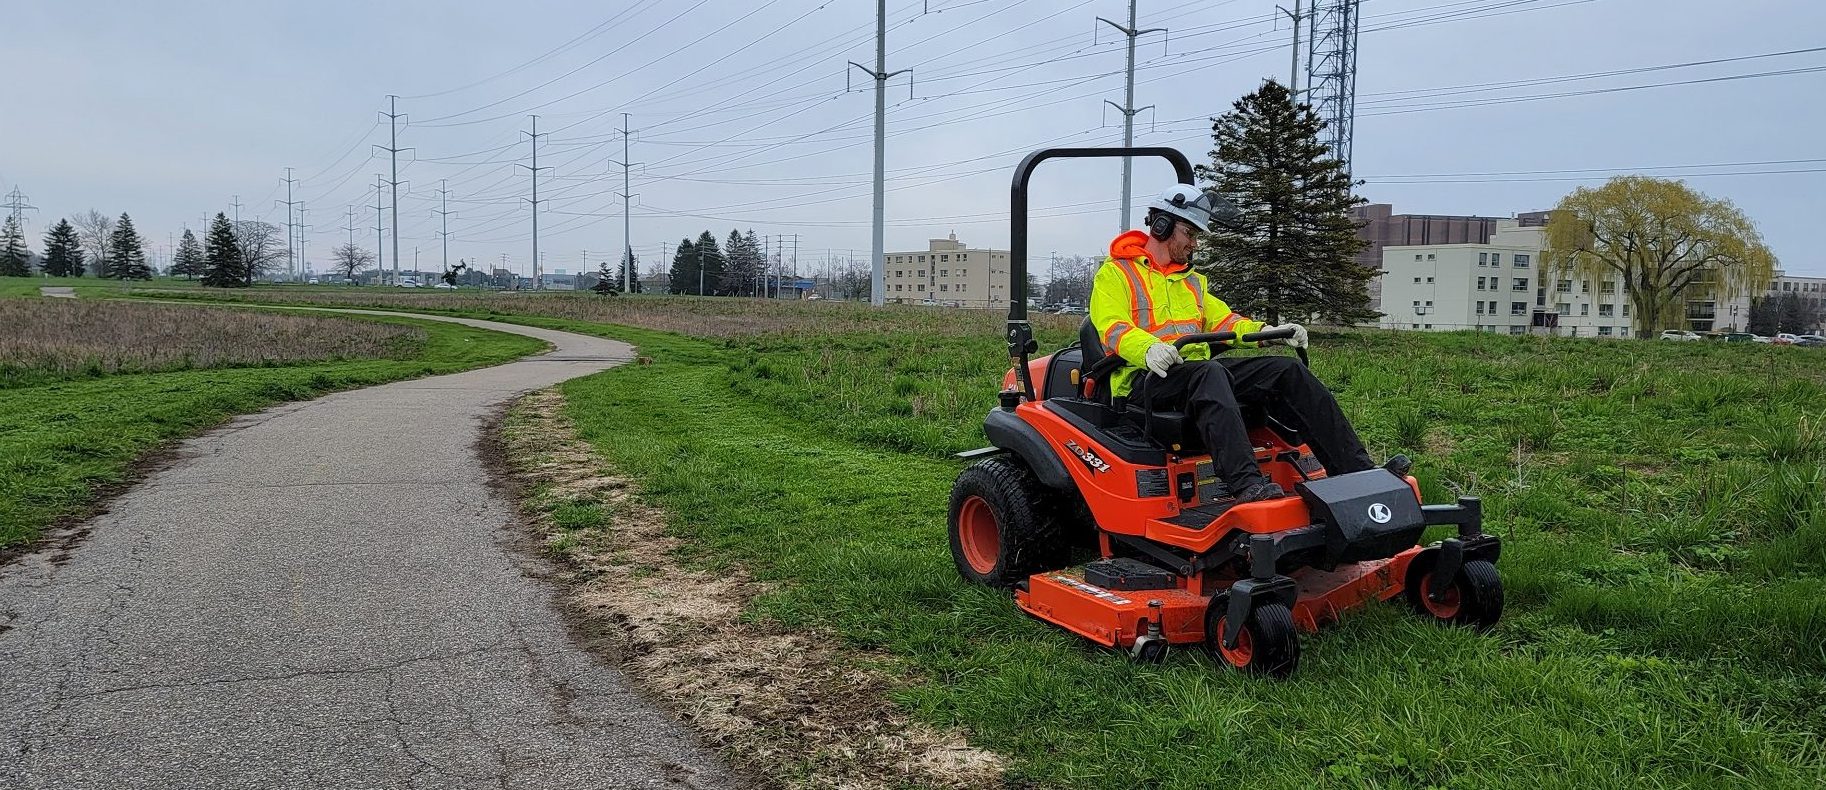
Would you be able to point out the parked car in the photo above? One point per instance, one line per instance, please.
(1761, 339)
(1678, 334)
(1073, 310)
(1739, 337)
(1785, 339)
(1810, 340)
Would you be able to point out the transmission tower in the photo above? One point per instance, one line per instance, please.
(16, 205)
(444, 215)
(291, 226)
(878, 271)
(1128, 108)
(1331, 71)
(627, 199)
(534, 168)
(380, 249)
(392, 148)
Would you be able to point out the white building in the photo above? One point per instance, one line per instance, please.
(948, 273)
(1500, 287)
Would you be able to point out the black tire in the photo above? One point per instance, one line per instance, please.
(1269, 645)
(1474, 600)
(1001, 530)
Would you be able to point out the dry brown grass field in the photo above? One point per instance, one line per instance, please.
(58, 339)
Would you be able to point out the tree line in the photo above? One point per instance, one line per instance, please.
(230, 255)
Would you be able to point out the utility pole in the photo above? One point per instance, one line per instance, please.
(1293, 72)
(302, 260)
(1128, 109)
(881, 75)
(533, 137)
(795, 260)
(291, 244)
(380, 249)
(444, 214)
(236, 205)
(351, 225)
(392, 148)
(627, 198)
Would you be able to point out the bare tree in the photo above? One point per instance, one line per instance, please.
(96, 231)
(261, 248)
(351, 260)
(1069, 280)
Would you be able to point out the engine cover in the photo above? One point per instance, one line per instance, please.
(1368, 515)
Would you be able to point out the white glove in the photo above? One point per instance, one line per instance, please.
(1162, 356)
(1297, 341)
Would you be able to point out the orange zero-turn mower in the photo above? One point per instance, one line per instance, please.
(1177, 562)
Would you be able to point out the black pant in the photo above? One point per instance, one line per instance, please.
(1211, 393)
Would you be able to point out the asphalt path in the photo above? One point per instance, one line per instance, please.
(326, 594)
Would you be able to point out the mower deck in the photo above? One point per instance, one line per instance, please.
(1113, 618)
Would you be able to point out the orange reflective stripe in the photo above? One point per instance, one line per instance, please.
(1198, 295)
(1229, 321)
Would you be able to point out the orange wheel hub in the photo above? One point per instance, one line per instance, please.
(978, 535)
(1448, 604)
(1245, 645)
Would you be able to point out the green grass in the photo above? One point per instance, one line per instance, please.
(63, 442)
(1695, 662)
(1661, 504)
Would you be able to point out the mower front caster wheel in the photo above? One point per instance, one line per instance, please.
(1267, 646)
(1473, 598)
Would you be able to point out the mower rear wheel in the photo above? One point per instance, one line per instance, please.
(1001, 530)
(1474, 597)
(1268, 645)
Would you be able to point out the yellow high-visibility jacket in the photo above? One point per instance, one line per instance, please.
(1135, 304)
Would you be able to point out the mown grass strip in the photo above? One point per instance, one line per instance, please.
(61, 443)
(855, 536)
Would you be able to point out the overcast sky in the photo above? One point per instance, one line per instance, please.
(168, 110)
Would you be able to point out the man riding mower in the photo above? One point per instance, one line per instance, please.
(1229, 500)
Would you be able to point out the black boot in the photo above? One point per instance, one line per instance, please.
(1399, 466)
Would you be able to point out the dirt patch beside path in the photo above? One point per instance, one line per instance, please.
(783, 704)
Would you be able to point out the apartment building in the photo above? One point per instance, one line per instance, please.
(1382, 227)
(948, 273)
(1500, 286)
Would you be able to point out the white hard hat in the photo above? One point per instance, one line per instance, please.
(1194, 205)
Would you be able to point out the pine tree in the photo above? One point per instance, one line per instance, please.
(715, 264)
(757, 260)
(15, 258)
(742, 269)
(607, 283)
(188, 261)
(222, 256)
(630, 266)
(128, 261)
(63, 251)
(683, 278)
(1290, 254)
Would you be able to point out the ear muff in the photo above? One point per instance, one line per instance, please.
(1160, 226)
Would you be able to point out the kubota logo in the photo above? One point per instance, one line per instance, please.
(1089, 458)
(1380, 513)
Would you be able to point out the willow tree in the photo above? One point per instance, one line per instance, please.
(1666, 243)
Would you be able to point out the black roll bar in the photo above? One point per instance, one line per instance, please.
(1020, 332)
